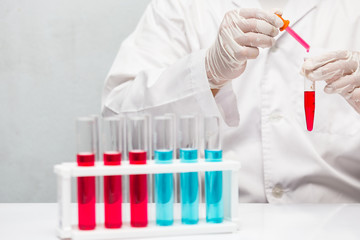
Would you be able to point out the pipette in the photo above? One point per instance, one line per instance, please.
(309, 86)
(293, 33)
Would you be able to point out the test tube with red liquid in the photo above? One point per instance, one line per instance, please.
(113, 146)
(309, 103)
(85, 129)
(138, 147)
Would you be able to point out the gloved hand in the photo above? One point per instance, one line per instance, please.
(240, 35)
(340, 70)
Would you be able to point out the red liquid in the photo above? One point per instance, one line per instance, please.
(138, 192)
(112, 193)
(86, 194)
(309, 103)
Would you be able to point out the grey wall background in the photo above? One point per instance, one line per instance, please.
(54, 57)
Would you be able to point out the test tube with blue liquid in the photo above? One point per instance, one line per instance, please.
(164, 182)
(189, 182)
(213, 179)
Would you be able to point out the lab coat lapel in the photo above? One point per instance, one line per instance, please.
(296, 10)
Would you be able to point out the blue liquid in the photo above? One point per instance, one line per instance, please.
(213, 189)
(189, 184)
(164, 191)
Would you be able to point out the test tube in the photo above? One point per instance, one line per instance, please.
(113, 146)
(189, 182)
(97, 132)
(309, 103)
(85, 132)
(213, 179)
(97, 155)
(164, 183)
(138, 147)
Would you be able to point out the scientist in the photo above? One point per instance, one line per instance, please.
(227, 57)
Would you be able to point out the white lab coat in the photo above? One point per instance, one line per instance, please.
(160, 68)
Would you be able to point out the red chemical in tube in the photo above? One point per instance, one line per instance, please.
(112, 192)
(86, 194)
(138, 192)
(309, 103)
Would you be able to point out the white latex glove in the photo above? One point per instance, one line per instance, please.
(340, 70)
(240, 35)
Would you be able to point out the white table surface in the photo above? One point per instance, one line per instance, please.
(38, 221)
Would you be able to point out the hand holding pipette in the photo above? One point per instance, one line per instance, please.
(241, 34)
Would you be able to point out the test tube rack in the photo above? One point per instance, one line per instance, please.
(68, 228)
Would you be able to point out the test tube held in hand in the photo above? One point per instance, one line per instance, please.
(113, 146)
(189, 182)
(213, 179)
(138, 147)
(85, 132)
(164, 183)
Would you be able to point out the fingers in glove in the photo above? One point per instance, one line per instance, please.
(354, 99)
(311, 64)
(261, 15)
(257, 26)
(333, 71)
(248, 52)
(255, 40)
(346, 84)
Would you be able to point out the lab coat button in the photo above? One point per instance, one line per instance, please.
(274, 117)
(277, 191)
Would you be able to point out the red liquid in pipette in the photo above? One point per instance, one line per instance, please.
(309, 103)
(138, 192)
(86, 194)
(112, 192)
(298, 38)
